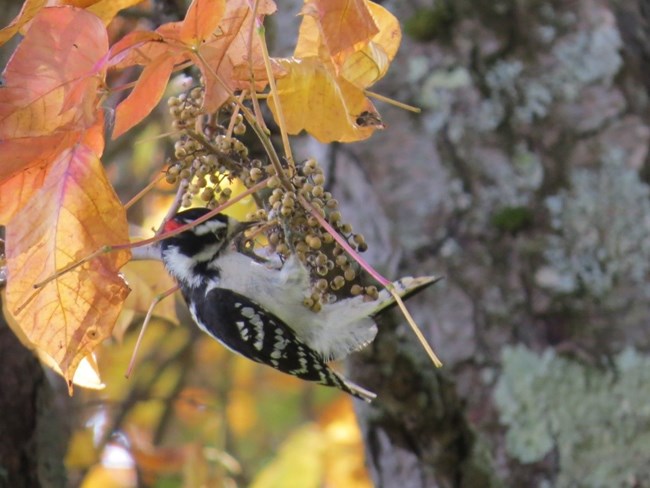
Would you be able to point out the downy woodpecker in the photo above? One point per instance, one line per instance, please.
(256, 308)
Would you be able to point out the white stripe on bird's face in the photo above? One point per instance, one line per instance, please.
(182, 266)
(213, 226)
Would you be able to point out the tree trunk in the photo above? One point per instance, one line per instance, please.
(526, 105)
(32, 443)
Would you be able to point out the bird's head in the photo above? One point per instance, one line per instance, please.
(191, 255)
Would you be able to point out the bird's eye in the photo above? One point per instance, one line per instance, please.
(220, 233)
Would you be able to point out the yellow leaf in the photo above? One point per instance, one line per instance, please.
(113, 358)
(337, 102)
(332, 66)
(108, 9)
(241, 411)
(370, 63)
(81, 450)
(298, 464)
(27, 12)
(74, 213)
(104, 9)
(344, 452)
(146, 415)
(342, 23)
(86, 375)
(100, 476)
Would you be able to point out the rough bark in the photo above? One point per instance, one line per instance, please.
(32, 444)
(416, 433)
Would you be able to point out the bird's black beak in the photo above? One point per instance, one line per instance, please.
(237, 229)
(240, 227)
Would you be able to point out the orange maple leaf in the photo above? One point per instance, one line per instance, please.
(332, 67)
(214, 35)
(342, 24)
(74, 213)
(49, 101)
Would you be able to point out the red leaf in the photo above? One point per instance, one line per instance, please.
(145, 96)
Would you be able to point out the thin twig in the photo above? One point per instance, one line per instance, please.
(274, 93)
(145, 242)
(252, 121)
(390, 101)
(156, 300)
(143, 192)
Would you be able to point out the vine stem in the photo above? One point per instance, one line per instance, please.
(261, 32)
(145, 242)
(252, 121)
(143, 192)
(157, 299)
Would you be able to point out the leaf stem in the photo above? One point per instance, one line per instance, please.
(274, 94)
(143, 192)
(390, 101)
(416, 330)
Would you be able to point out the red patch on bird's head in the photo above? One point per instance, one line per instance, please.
(172, 224)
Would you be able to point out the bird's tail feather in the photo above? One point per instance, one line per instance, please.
(406, 288)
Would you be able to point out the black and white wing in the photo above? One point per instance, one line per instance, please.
(246, 328)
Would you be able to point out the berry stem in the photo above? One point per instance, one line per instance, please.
(275, 96)
(375, 274)
(252, 121)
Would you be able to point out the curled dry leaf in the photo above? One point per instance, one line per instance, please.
(343, 23)
(74, 213)
(215, 36)
(332, 83)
